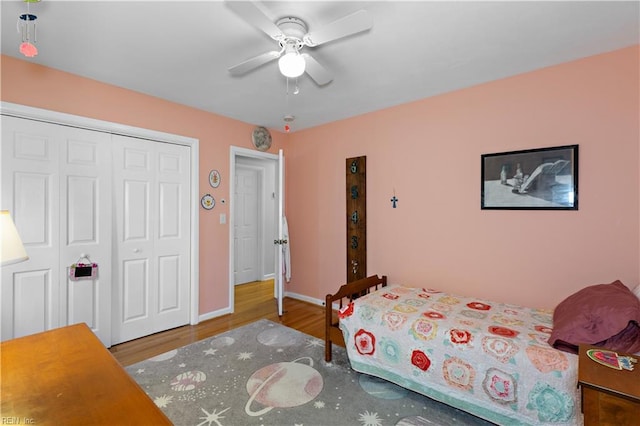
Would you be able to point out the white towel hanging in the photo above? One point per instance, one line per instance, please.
(286, 253)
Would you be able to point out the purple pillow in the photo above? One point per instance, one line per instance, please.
(606, 315)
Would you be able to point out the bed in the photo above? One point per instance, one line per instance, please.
(504, 363)
(486, 358)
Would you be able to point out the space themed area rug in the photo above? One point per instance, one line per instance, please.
(268, 374)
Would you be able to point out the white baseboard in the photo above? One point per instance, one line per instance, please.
(214, 314)
(304, 298)
(225, 311)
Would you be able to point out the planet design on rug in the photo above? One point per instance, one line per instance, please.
(222, 342)
(188, 381)
(165, 356)
(283, 385)
(414, 421)
(278, 337)
(381, 388)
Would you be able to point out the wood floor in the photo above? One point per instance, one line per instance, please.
(254, 301)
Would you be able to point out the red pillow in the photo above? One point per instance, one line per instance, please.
(606, 315)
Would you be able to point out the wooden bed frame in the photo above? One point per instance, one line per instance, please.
(497, 403)
(348, 292)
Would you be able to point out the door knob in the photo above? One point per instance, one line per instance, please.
(136, 250)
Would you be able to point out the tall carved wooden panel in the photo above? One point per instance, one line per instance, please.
(356, 172)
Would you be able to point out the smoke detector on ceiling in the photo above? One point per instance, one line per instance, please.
(288, 119)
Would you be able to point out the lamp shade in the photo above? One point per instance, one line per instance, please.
(12, 248)
(292, 64)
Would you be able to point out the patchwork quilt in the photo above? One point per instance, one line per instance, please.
(489, 359)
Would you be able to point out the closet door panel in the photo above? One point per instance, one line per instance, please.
(152, 202)
(169, 283)
(85, 228)
(33, 289)
(133, 297)
(30, 290)
(169, 218)
(135, 286)
(172, 235)
(82, 205)
(84, 303)
(136, 211)
(56, 184)
(31, 208)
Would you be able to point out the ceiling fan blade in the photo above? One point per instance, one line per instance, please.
(317, 72)
(253, 63)
(345, 26)
(249, 12)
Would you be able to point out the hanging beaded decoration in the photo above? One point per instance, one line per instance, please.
(27, 28)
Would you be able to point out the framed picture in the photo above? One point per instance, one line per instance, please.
(533, 179)
(214, 178)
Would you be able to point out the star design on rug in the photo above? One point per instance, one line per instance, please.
(182, 365)
(243, 356)
(140, 370)
(163, 401)
(370, 419)
(210, 351)
(318, 404)
(314, 343)
(212, 417)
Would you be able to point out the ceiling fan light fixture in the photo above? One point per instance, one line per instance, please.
(291, 64)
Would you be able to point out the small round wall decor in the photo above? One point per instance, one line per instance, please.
(261, 138)
(207, 202)
(214, 178)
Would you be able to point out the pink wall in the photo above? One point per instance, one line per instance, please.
(429, 153)
(37, 86)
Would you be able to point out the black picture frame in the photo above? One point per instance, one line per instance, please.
(532, 179)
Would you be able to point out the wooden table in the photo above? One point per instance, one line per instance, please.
(67, 377)
(609, 396)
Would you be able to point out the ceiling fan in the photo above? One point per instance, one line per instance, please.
(292, 35)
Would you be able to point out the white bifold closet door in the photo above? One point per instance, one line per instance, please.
(56, 183)
(124, 202)
(152, 261)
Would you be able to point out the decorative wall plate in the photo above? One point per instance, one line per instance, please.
(214, 178)
(207, 202)
(261, 138)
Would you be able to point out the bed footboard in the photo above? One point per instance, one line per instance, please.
(347, 292)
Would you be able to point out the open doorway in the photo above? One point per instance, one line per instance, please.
(253, 218)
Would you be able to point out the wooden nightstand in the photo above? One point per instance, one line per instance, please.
(609, 396)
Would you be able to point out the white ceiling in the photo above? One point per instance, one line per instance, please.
(180, 50)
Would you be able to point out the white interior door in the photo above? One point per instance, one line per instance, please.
(247, 224)
(268, 164)
(56, 184)
(279, 274)
(152, 205)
